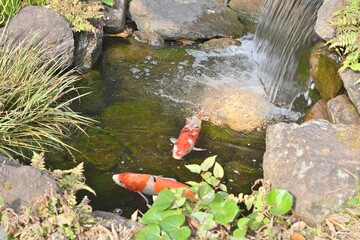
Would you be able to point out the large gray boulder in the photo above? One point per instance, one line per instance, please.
(350, 78)
(325, 14)
(53, 31)
(20, 186)
(115, 16)
(174, 19)
(316, 162)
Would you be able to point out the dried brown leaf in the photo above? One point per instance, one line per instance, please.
(298, 226)
(339, 225)
(341, 218)
(331, 226)
(297, 236)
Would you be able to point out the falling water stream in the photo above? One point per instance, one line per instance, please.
(284, 31)
(141, 97)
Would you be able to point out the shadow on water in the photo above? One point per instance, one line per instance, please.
(141, 97)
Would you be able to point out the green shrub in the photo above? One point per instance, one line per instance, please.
(34, 101)
(347, 39)
(213, 212)
(77, 13)
(55, 216)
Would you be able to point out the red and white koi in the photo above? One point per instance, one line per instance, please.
(148, 184)
(187, 138)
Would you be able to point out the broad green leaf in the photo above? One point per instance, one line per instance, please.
(192, 183)
(241, 231)
(223, 187)
(206, 193)
(266, 220)
(151, 216)
(218, 170)
(111, 3)
(208, 163)
(164, 200)
(172, 222)
(172, 226)
(195, 168)
(214, 181)
(226, 212)
(149, 232)
(179, 202)
(280, 201)
(200, 216)
(353, 201)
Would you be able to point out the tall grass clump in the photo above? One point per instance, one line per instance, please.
(34, 101)
(8, 8)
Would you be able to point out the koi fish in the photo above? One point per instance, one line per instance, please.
(148, 184)
(187, 138)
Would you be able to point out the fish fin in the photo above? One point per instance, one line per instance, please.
(146, 200)
(173, 140)
(153, 178)
(171, 179)
(198, 149)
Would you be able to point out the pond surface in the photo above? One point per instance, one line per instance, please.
(141, 97)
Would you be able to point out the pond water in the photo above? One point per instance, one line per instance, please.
(141, 97)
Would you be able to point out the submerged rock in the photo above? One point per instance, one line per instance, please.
(174, 19)
(244, 111)
(318, 111)
(50, 28)
(325, 14)
(219, 44)
(152, 38)
(350, 78)
(316, 162)
(324, 71)
(342, 111)
(21, 186)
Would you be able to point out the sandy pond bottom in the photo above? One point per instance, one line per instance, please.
(141, 97)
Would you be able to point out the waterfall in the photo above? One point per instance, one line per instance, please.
(285, 27)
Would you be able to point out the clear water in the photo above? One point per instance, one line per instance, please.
(141, 97)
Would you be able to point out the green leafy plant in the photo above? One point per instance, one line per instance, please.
(347, 39)
(111, 3)
(59, 216)
(34, 101)
(77, 13)
(9, 8)
(212, 213)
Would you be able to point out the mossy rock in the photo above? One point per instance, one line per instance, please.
(324, 71)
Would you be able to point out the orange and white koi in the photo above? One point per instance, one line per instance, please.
(187, 138)
(148, 184)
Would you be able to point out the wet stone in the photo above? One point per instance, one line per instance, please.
(316, 162)
(342, 111)
(318, 111)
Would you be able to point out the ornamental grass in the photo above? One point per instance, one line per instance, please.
(34, 101)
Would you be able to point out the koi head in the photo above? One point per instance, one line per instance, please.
(181, 148)
(119, 179)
